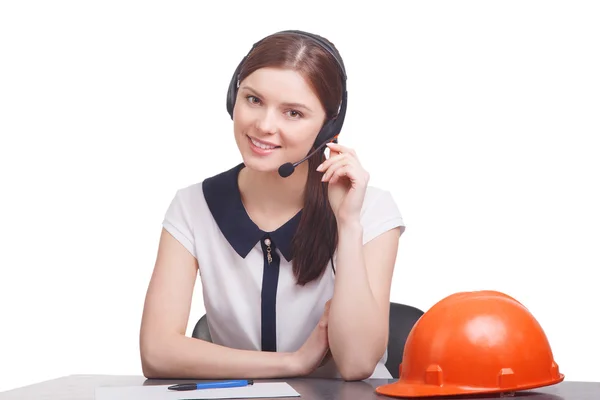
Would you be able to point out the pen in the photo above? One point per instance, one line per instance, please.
(212, 385)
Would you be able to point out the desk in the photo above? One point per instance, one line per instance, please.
(81, 387)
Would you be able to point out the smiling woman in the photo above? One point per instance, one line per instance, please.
(262, 242)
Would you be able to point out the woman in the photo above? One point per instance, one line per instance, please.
(295, 271)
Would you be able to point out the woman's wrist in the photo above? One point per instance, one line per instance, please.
(349, 224)
(292, 364)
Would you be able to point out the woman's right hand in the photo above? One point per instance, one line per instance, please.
(313, 352)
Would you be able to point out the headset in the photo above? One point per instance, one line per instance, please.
(331, 128)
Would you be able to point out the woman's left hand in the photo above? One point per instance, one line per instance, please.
(348, 182)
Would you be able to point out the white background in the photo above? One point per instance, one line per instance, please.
(481, 118)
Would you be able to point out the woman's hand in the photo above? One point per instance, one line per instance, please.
(315, 350)
(348, 182)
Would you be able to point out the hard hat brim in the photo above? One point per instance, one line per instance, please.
(415, 390)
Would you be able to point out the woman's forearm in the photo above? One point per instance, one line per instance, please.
(357, 339)
(182, 357)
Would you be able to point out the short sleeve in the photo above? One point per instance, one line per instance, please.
(380, 214)
(177, 222)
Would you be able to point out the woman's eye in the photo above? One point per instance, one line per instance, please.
(252, 99)
(294, 114)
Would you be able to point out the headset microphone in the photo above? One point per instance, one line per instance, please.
(288, 168)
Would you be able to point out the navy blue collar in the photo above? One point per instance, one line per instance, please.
(224, 201)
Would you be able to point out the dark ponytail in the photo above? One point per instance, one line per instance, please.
(316, 237)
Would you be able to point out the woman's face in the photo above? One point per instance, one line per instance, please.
(276, 118)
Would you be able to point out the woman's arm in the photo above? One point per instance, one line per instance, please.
(165, 350)
(359, 309)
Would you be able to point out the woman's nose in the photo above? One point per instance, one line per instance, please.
(267, 122)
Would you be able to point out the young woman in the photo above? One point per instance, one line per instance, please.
(295, 271)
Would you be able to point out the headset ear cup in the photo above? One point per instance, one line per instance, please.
(331, 128)
(231, 95)
(232, 90)
(326, 133)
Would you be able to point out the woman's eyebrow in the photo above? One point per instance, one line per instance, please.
(287, 104)
(297, 105)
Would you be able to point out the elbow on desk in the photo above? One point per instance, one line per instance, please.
(154, 367)
(356, 364)
(154, 364)
(150, 364)
(355, 374)
(149, 372)
(356, 370)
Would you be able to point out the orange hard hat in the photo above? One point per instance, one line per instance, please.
(474, 343)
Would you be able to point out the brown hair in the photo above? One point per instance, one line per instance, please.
(316, 238)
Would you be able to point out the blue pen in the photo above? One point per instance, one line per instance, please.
(212, 385)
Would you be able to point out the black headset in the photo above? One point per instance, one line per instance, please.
(331, 128)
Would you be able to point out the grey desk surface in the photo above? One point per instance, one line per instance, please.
(81, 387)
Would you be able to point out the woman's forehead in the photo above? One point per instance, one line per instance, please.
(282, 86)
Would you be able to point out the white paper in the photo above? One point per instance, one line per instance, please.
(160, 392)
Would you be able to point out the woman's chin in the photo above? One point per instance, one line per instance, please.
(261, 165)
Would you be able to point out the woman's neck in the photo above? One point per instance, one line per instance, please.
(268, 194)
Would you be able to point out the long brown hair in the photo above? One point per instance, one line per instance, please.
(316, 237)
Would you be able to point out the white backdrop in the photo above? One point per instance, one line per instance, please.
(482, 119)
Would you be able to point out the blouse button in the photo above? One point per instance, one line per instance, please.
(268, 244)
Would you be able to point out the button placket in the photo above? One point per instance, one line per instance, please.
(270, 280)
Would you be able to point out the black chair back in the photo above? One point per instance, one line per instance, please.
(201, 330)
(402, 319)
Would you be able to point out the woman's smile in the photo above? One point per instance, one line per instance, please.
(261, 147)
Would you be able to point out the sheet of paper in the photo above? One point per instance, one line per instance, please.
(160, 392)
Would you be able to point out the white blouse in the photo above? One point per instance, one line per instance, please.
(249, 306)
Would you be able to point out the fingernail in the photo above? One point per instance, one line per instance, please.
(320, 167)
